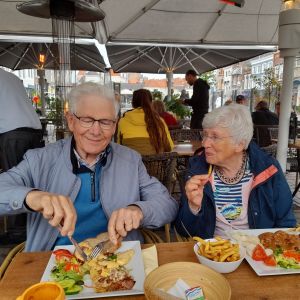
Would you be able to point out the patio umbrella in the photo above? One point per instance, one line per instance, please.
(25, 55)
(169, 60)
(156, 59)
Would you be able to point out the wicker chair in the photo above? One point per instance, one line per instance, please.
(185, 134)
(162, 166)
(12, 253)
(262, 134)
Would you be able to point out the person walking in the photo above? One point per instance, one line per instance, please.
(199, 100)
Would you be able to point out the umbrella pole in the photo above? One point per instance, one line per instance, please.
(285, 110)
(170, 84)
(41, 74)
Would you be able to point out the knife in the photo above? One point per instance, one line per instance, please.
(75, 244)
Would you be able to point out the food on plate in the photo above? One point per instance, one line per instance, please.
(280, 239)
(107, 271)
(274, 249)
(296, 229)
(68, 272)
(88, 245)
(219, 250)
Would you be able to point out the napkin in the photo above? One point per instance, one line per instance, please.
(150, 259)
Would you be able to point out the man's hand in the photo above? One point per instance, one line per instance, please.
(58, 209)
(124, 220)
(194, 190)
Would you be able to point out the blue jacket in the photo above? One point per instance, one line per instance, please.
(270, 200)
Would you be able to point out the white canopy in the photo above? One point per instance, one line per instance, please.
(193, 22)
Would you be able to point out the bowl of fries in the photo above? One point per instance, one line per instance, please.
(219, 254)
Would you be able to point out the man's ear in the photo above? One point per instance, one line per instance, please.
(70, 120)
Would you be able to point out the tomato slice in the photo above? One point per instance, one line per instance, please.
(270, 261)
(63, 252)
(71, 267)
(259, 253)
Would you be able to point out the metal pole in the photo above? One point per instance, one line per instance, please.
(285, 110)
(170, 83)
(41, 74)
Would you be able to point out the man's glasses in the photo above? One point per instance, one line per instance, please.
(214, 138)
(88, 122)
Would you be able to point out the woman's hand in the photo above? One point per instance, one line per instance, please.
(58, 209)
(194, 190)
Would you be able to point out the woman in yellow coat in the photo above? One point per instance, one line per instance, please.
(142, 129)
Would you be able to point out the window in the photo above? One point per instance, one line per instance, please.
(258, 69)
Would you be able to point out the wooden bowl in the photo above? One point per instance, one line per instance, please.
(214, 285)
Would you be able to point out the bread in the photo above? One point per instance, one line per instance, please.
(89, 244)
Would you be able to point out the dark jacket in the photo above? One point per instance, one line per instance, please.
(264, 117)
(270, 200)
(199, 102)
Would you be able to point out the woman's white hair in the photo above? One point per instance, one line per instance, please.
(91, 88)
(236, 118)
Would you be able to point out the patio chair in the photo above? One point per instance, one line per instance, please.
(180, 238)
(141, 145)
(162, 166)
(262, 135)
(185, 135)
(12, 253)
(150, 237)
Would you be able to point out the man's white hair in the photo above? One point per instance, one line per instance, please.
(236, 118)
(91, 88)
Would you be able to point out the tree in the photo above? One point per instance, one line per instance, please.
(270, 83)
(209, 77)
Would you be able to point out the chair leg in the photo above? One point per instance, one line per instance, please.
(167, 233)
(5, 226)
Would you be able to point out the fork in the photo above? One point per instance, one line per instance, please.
(97, 250)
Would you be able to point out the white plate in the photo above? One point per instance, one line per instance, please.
(258, 266)
(136, 267)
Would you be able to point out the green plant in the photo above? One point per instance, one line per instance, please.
(175, 106)
(156, 94)
(55, 111)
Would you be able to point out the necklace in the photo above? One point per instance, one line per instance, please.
(237, 177)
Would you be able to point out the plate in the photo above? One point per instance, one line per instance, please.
(258, 266)
(136, 267)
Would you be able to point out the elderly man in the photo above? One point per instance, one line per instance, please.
(86, 183)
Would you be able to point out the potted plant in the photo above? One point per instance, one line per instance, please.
(175, 106)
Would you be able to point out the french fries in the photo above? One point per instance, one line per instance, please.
(220, 250)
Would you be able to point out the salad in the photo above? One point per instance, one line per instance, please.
(288, 259)
(68, 271)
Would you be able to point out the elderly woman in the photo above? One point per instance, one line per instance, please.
(233, 184)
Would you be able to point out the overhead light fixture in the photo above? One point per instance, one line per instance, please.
(42, 58)
(238, 3)
(290, 4)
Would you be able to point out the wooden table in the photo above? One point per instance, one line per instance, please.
(27, 269)
(186, 148)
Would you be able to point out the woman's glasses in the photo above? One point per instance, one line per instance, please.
(214, 138)
(88, 122)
